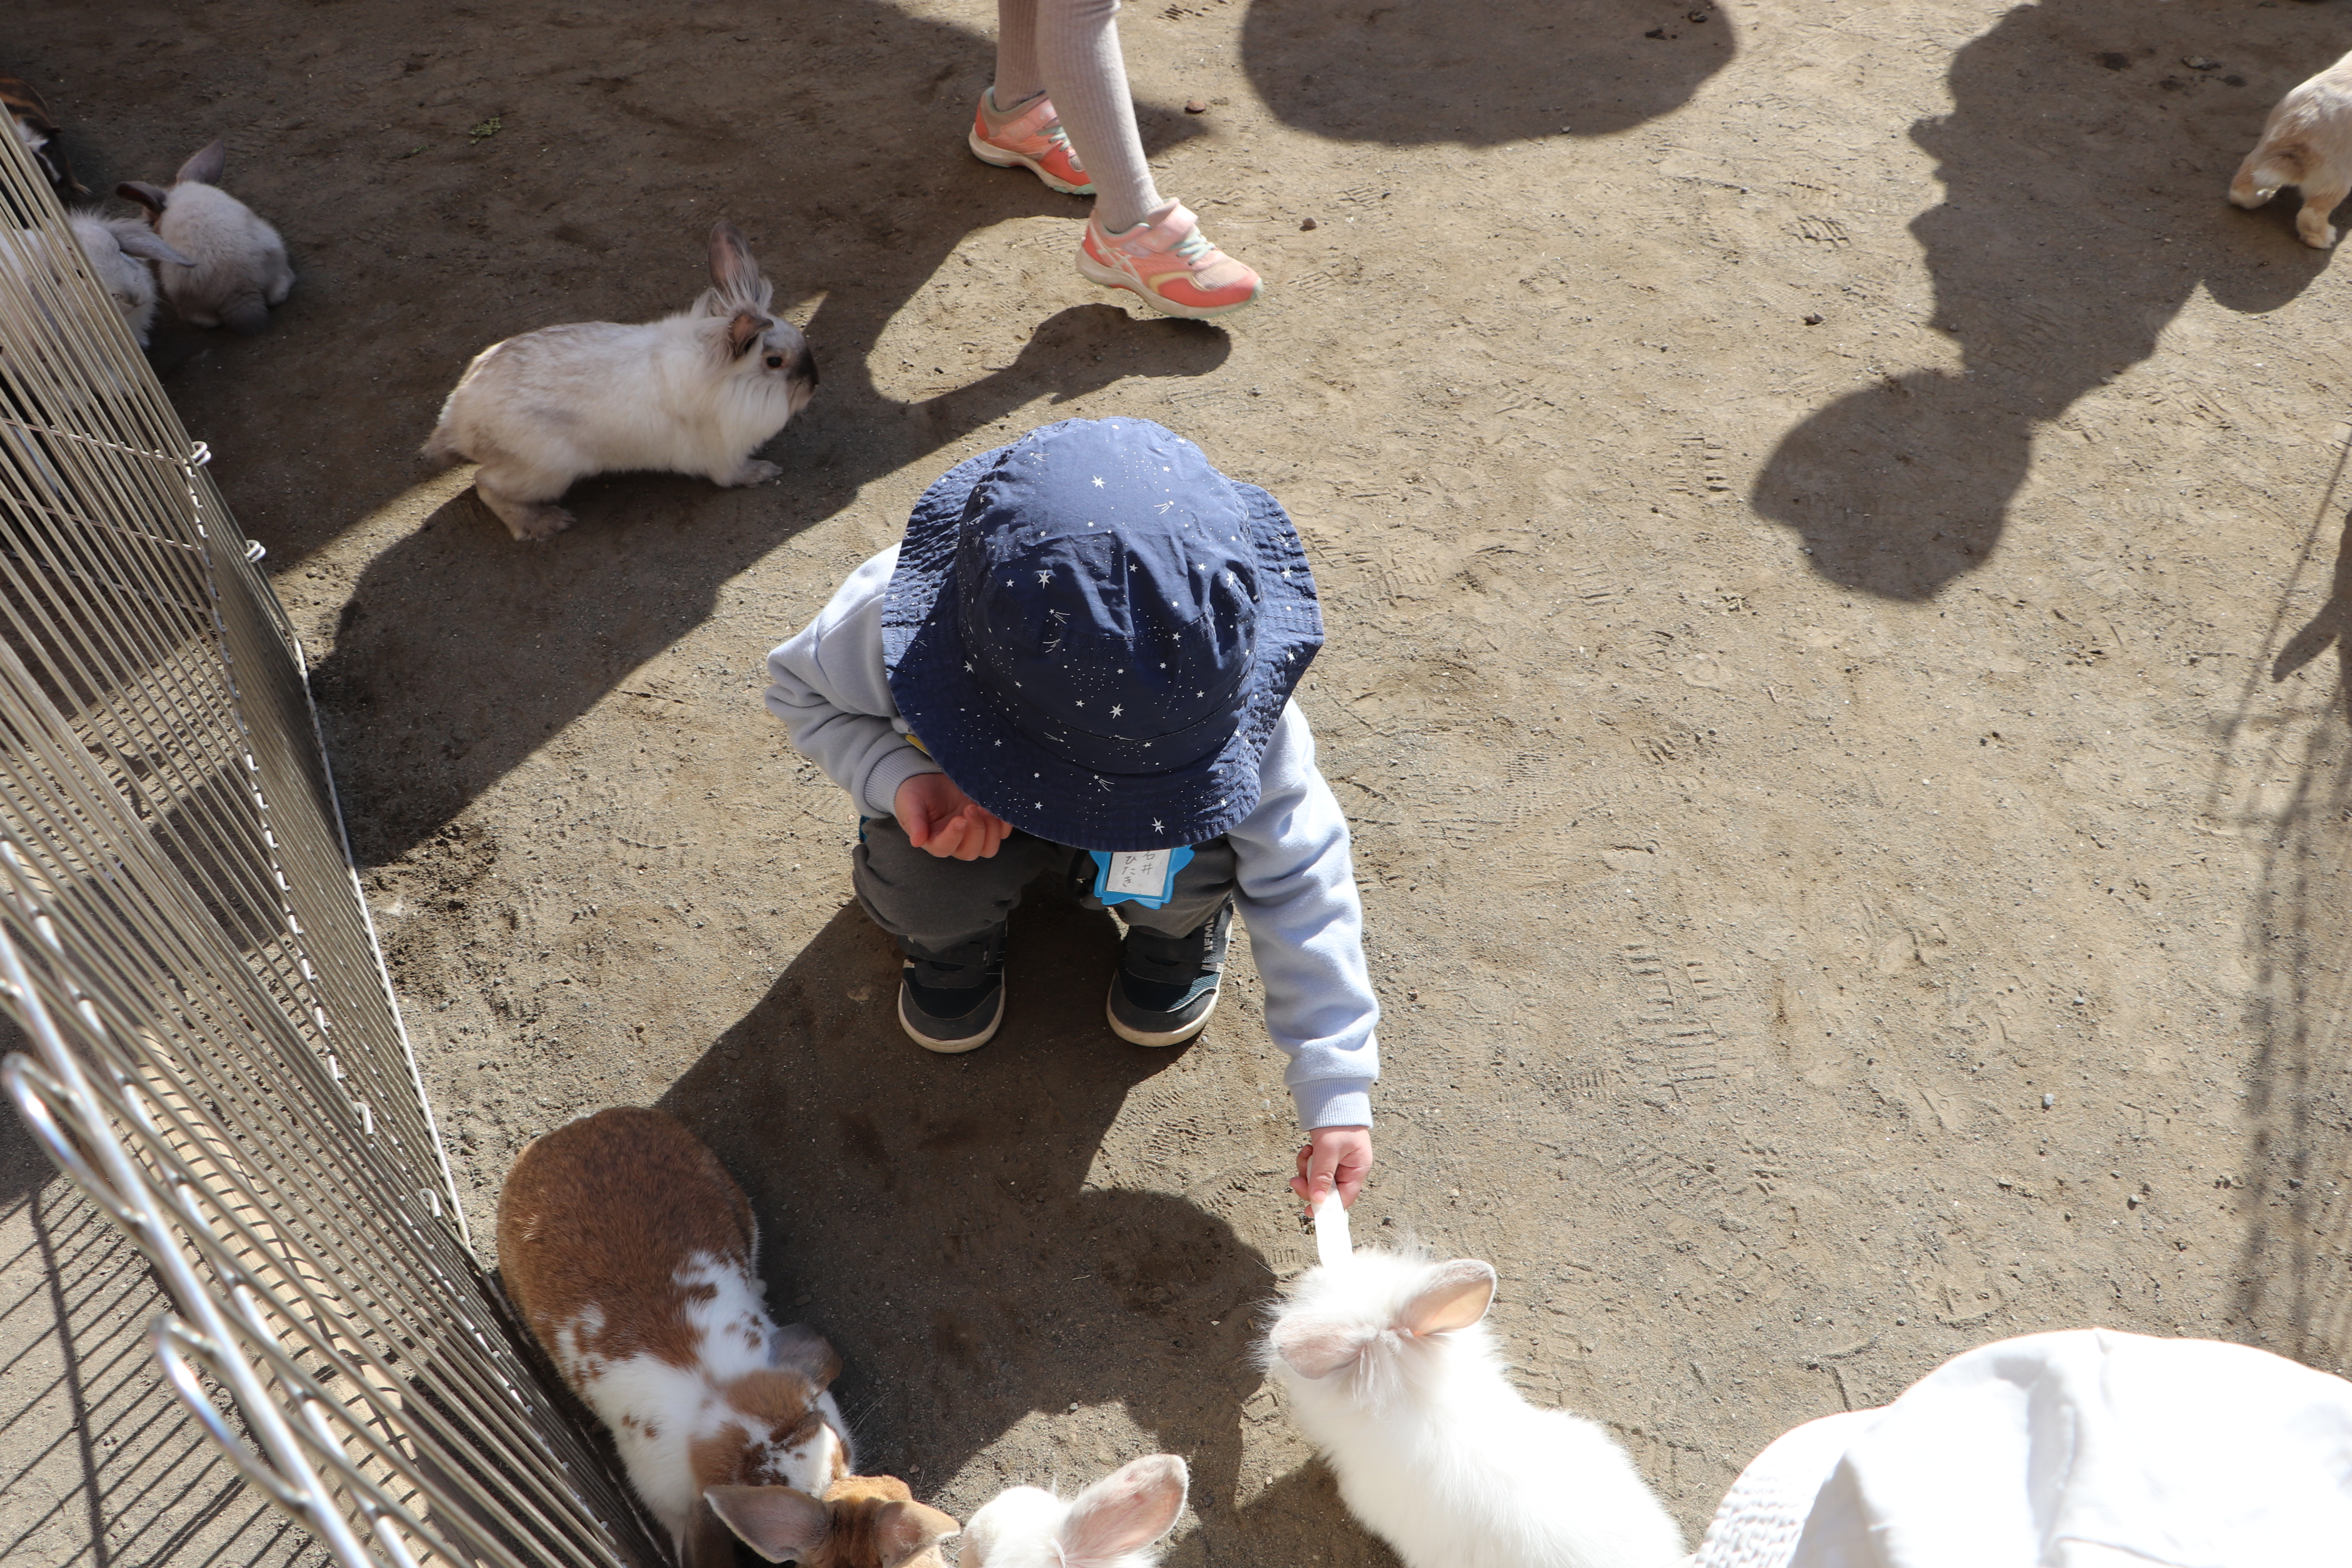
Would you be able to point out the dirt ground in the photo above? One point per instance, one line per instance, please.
(1830, 530)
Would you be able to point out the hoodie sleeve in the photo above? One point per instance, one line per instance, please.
(829, 686)
(1298, 900)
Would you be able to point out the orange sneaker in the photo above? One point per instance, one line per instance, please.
(1168, 260)
(1030, 140)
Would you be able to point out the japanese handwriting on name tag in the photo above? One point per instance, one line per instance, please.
(1146, 875)
(1140, 871)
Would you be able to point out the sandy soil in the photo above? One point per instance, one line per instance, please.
(1829, 529)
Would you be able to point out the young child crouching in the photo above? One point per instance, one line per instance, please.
(1080, 660)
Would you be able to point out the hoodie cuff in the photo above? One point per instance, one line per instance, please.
(1334, 1102)
(882, 781)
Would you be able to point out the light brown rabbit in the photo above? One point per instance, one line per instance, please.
(632, 1255)
(2306, 143)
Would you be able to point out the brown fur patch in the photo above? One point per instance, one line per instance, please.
(876, 1523)
(601, 1212)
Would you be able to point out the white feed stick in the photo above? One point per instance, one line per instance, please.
(1331, 1244)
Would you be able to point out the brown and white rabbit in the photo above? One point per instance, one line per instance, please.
(30, 118)
(696, 393)
(1117, 1522)
(2306, 143)
(632, 1254)
(240, 268)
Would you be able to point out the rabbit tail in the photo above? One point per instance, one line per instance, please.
(439, 448)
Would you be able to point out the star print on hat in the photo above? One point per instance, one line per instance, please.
(1129, 619)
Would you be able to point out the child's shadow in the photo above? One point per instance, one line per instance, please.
(934, 1216)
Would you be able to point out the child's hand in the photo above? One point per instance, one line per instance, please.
(1340, 1156)
(941, 819)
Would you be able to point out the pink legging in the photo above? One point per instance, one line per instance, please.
(1069, 50)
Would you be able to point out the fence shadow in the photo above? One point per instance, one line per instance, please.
(2084, 166)
(98, 1463)
(2294, 1290)
(932, 1214)
(1408, 75)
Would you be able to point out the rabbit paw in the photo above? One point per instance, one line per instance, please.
(530, 520)
(752, 472)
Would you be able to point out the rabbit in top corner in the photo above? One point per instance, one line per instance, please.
(696, 393)
(29, 117)
(1114, 1523)
(240, 268)
(1389, 1372)
(631, 1254)
(2306, 143)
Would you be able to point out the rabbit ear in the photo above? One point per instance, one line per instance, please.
(1126, 1510)
(732, 271)
(147, 243)
(904, 1530)
(744, 330)
(707, 1543)
(796, 1347)
(777, 1522)
(1457, 1295)
(207, 167)
(151, 197)
(1317, 1347)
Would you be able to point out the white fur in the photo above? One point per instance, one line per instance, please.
(240, 262)
(113, 246)
(2306, 143)
(1117, 1522)
(546, 409)
(1438, 1455)
(656, 1412)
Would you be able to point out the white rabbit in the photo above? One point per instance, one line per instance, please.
(632, 1255)
(696, 393)
(114, 246)
(1389, 1372)
(1114, 1523)
(240, 263)
(2306, 143)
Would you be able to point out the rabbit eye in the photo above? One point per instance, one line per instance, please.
(775, 361)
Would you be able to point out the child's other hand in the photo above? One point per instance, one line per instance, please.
(1340, 1156)
(943, 819)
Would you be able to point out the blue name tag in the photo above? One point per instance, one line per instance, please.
(1148, 877)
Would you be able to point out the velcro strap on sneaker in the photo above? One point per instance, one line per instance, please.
(1157, 238)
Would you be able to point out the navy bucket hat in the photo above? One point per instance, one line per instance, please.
(1094, 632)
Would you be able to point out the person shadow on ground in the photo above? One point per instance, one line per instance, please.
(2084, 166)
(935, 1217)
(1412, 75)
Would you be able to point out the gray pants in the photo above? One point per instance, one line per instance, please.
(936, 906)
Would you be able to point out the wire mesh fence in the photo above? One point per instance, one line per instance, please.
(218, 1062)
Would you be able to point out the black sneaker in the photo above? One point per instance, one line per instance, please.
(1167, 986)
(953, 1002)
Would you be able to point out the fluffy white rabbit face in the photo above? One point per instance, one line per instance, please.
(783, 356)
(1021, 1529)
